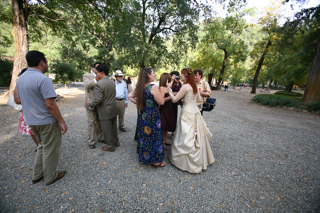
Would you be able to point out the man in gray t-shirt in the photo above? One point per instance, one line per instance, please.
(42, 114)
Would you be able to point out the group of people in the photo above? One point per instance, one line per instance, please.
(190, 149)
(106, 99)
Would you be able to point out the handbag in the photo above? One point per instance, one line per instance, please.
(209, 103)
(13, 104)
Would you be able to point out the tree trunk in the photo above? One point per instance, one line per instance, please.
(21, 38)
(289, 87)
(269, 85)
(255, 80)
(223, 68)
(312, 92)
(210, 75)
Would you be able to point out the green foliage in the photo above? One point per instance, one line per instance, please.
(277, 100)
(65, 72)
(285, 93)
(314, 106)
(5, 72)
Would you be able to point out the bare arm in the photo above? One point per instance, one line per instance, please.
(163, 91)
(180, 94)
(157, 95)
(132, 96)
(15, 95)
(55, 112)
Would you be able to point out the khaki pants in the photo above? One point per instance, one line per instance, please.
(49, 138)
(94, 127)
(121, 105)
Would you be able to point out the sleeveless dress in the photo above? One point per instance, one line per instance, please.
(190, 149)
(150, 134)
(167, 115)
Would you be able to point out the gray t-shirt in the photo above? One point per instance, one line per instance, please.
(33, 87)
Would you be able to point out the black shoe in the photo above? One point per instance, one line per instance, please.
(92, 146)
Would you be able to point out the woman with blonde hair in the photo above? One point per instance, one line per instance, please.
(166, 110)
(190, 150)
(147, 97)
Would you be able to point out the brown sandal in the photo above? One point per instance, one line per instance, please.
(162, 164)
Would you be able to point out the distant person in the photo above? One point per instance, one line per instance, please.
(42, 114)
(203, 88)
(166, 110)
(105, 101)
(122, 99)
(24, 129)
(150, 135)
(190, 149)
(176, 86)
(129, 85)
(94, 125)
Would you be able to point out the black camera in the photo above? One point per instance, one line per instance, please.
(177, 78)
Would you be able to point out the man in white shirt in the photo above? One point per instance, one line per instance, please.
(122, 98)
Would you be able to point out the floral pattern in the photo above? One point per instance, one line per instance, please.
(24, 129)
(150, 134)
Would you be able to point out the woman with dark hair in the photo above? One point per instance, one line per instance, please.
(190, 150)
(176, 86)
(24, 129)
(147, 97)
(166, 110)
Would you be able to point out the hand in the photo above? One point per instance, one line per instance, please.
(88, 103)
(169, 84)
(64, 128)
(126, 105)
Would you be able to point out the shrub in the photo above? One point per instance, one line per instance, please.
(277, 100)
(313, 106)
(65, 72)
(285, 93)
(5, 72)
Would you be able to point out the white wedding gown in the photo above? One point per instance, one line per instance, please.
(190, 149)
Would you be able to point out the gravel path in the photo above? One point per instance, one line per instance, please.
(267, 159)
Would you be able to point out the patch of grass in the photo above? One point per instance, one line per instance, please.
(314, 106)
(277, 100)
(285, 93)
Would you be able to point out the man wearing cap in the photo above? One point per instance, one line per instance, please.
(94, 125)
(122, 98)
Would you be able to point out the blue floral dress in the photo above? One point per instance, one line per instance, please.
(150, 134)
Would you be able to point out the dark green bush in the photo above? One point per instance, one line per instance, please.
(285, 93)
(314, 106)
(277, 100)
(5, 72)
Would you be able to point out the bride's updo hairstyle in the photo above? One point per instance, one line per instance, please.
(143, 79)
(188, 73)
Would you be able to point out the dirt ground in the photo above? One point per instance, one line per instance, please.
(236, 103)
(267, 160)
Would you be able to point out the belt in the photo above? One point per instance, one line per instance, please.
(120, 99)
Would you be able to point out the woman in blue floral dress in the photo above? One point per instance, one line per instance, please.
(150, 135)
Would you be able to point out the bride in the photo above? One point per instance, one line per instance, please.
(190, 149)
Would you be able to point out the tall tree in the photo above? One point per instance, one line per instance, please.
(269, 23)
(38, 16)
(152, 21)
(226, 34)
